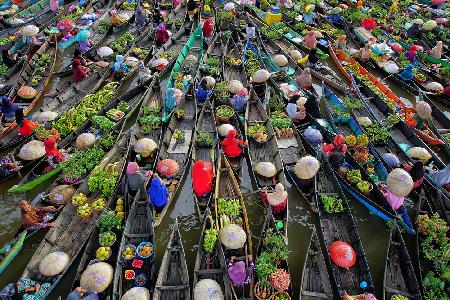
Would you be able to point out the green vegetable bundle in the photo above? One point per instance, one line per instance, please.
(82, 162)
(108, 221)
(251, 63)
(209, 240)
(229, 207)
(102, 181)
(332, 204)
(377, 134)
(102, 123)
(121, 44)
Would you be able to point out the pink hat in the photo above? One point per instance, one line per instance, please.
(132, 168)
(242, 92)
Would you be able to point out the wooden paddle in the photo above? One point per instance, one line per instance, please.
(16, 165)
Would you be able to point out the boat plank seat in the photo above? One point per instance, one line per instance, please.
(209, 271)
(137, 235)
(172, 287)
(315, 294)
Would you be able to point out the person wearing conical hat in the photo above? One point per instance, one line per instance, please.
(239, 273)
(277, 199)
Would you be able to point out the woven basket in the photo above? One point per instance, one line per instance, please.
(281, 293)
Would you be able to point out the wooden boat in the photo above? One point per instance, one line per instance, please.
(38, 174)
(262, 152)
(399, 276)
(315, 279)
(194, 46)
(71, 232)
(173, 276)
(269, 228)
(205, 126)
(46, 55)
(234, 51)
(340, 226)
(178, 151)
(211, 265)
(227, 187)
(138, 229)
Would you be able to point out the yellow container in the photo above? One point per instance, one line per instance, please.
(272, 18)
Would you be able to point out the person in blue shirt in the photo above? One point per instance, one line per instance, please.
(158, 193)
(203, 91)
(408, 73)
(119, 68)
(7, 109)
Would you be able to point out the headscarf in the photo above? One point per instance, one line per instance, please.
(132, 167)
(158, 193)
(437, 50)
(417, 171)
(278, 196)
(304, 79)
(29, 214)
(50, 148)
(407, 74)
(171, 101)
(441, 177)
(231, 144)
(161, 34)
(237, 273)
(394, 201)
(202, 177)
(161, 27)
(243, 92)
(294, 99)
(119, 63)
(207, 28)
(310, 39)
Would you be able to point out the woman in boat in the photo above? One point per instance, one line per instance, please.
(336, 152)
(417, 173)
(141, 18)
(341, 42)
(413, 31)
(312, 58)
(54, 156)
(82, 294)
(232, 146)
(7, 108)
(135, 177)
(36, 217)
(277, 199)
(158, 193)
(7, 166)
(304, 79)
(208, 30)
(239, 273)
(442, 177)
(119, 68)
(144, 73)
(7, 60)
(162, 35)
(411, 54)
(202, 179)
(447, 91)
(79, 71)
(396, 204)
(173, 98)
(437, 50)
(312, 107)
(296, 112)
(260, 89)
(25, 126)
(408, 73)
(25, 289)
(192, 8)
(239, 101)
(203, 91)
(310, 40)
(363, 54)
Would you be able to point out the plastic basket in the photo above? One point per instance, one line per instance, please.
(142, 245)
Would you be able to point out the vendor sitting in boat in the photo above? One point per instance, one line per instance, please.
(82, 294)
(408, 73)
(277, 199)
(312, 58)
(26, 127)
(239, 273)
(7, 108)
(396, 203)
(162, 35)
(25, 289)
(304, 79)
(239, 101)
(203, 91)
(295, 108)
(7, 166)
(442, 177)
(79, 69)
(232, 146)
(35, 218)
(119, 68)
(417, 173)
(158, 193)
(136, 178)
(336, 152)
(363, 54)
(54, 156)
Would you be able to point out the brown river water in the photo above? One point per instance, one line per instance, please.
(373, 232)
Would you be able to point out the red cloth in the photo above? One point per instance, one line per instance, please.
(50, 148)
(275, 209)
(26, 129)
(447, 91)
(231, 144)
(78, 70)
(162, 37)
(207, 28)
(202, 177)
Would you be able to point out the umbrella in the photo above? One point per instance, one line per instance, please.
(429, 25)
(207, 289)
(313, 135)
(369, 24)
(295, 54)
(224, 129)
(85, 140)
(419, 153)
(391, 159)
(210, 81)
(61, 193)
(417, 21)
(423, 110)
(234, 86)
(65, 25)
(280, 60)
(391, 67)
(307, 167)
(342, 254)
(26, 92)
(399, 182)
(105, 51)
(30, 30)
(97, 276)
(364, 121)
(229, 6)
(396, 47)
(266, 169)
(261, 76)
(168, 167)
(435, 87)
(54, 263)
(46, 116)
(131, 61)
(233, 236)
(136, 293)
(145, 146)
(441, 21)
(32, 150)
(159, 61)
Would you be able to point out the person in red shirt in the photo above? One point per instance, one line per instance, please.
(232, 146)
(79, 70)
(54, 156)
(207, 30)
(25, 126)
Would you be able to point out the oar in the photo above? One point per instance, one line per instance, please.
(16, 165)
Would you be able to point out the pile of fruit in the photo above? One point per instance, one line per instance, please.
(79, 199)
(119, 209)
(103, 253)
(145, 250)
(84, 211)
(128, 252)
(107, 238)
(99, 204)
